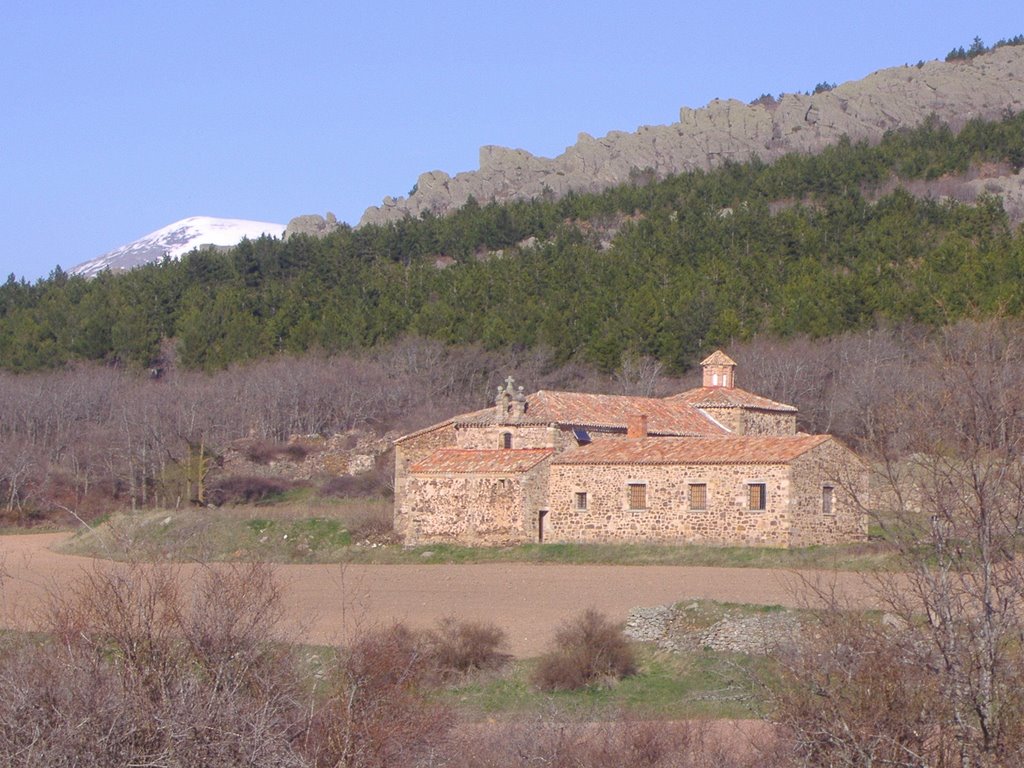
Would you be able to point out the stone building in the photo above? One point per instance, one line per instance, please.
(715, 464)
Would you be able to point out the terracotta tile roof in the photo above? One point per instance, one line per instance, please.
(475, 414)
(694, 450)
(664, 417)
(466, 461)
(728, 397)
(718, 357)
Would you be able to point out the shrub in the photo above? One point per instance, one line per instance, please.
(625, 743)
(348, 486)
(379, 481)
(369, 520)
(245, 489)
(589, 649)
(375, 715)
(144, 665)
(266, 451)
(460, 647)
(134, 671)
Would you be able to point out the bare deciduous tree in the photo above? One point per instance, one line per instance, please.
(941, 680)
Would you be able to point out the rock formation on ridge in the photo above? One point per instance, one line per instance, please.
(986, 86)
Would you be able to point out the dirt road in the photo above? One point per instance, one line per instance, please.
(326, 603)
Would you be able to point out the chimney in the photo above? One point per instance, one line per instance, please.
(636, 426)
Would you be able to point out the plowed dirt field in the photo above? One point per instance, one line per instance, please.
(324, 604)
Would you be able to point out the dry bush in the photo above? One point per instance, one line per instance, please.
(458, 648)
(376, 715)
(859, 691)
(153, 666)
(850, 695)
(588, 649)
(619, 744)
(371, 520)
(134, 672)
(355, 486)
(245, 489)
(379, 481)
(141, 671)
(266, 451)
(941, 681)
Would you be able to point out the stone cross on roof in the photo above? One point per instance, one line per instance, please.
(510, 400)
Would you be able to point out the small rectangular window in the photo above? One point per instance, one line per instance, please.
(826, 500)
(506, 440)
(758, 496)
(637, 495)
(581, 500)
(698, 496)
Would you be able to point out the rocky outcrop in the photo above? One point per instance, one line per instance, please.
(311, 224)
(985, 86)
(1009, 187)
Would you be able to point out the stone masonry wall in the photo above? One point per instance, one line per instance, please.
(730, 418)
(726, 520)
(407, 453)
(830, 464)
(768, 423)
(489, 437)
(746, 421)
(470, 509)
(536, 486)
(526, 436)
(476, 509)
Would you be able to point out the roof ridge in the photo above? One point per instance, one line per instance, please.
(695, 395)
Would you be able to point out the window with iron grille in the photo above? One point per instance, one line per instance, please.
(506, 439)
(758, 496)
(581, 500)
(826, 500)
(698, 496)
(637, 495)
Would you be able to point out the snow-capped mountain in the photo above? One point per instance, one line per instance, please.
(176, 239)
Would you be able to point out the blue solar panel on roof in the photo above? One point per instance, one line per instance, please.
(581, 435)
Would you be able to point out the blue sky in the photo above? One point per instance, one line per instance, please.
(118, 118)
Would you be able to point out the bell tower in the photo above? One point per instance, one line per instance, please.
(719, 370)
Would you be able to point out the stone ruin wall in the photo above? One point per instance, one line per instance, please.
(730, 418)
(346, 453)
